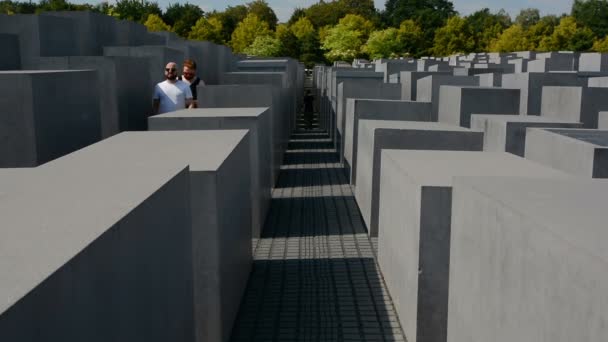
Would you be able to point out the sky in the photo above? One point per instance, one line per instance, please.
(284, 8)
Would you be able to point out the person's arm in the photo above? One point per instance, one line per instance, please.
(189, 100)
(155, 100)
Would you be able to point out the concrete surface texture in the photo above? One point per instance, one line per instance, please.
(409, 82)
(428, 89)
(593, 61)
(360, 109)
(257, 121)
(581, 104)
(507, 133)
(602, 120)
(375, 135)
(580, 152)
(80, 267)
(47, 114)
(457, 103)
(531, 84)
(11, 57)
(516, 262)
(414, 227)
(598, 82)
(219, 184)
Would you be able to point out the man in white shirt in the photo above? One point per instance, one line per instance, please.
(171, 94)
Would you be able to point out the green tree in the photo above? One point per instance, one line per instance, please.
(182, 17)
(359, 23)
(247, 31)
(261, 9)
(410, 37)
(486, 27)
(383, 44)
(541, 30)
(455, 37)
(290, 45)
(345, 40)
(135, 10)
(527, 17)
(264, 46)
(593, 14)
(230, 18)
(297, 14)
(512, 39)
(154, 23)
(601, 45)
(302, 28)
(208, 30)
(568, 35)
(325, 13)
(311, 52)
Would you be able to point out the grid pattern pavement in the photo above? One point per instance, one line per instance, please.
(314, 276)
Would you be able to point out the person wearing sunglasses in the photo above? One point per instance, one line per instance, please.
(189, 76)
(171, 94)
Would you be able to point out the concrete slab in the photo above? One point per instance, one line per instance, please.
(531, 84)
(598, 82)
(593, 61)
(109, 245)
(409, 82)
(11, 57)
(46, 115)
(375, 135)
(457, 104)
(602, 120)
(414, 227)
(360, 109)
(507, 133)
(581, 152)
(257, 121)
(428, 89)
(575, 104)
(516, 262)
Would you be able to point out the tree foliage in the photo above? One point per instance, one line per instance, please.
(383, 44)
(592, 14)
(208, 30)
(261, 9)
(512, 39)
(154, 23)
(182, 17)
(345, 40)
(410, 38)
(264, 46)
(527, 17)
(486, 27)
(455, 37)
(247, 31)
(302, 28)
(135, 10)
(601, 45)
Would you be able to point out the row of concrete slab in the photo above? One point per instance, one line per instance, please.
(107, 235)
(489, 221)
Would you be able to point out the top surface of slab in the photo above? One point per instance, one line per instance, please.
(413, 125)
(437, 168)
(215, 112)
(591, 136)
(519, 118)
(574, 209)
(38, 72)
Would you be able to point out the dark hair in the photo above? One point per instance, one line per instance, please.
(190, 64)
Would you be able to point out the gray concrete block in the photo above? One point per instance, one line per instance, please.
(554, 61)
(593, 61)
(414, 227)
(531, 85)
(602, 120)
(598, 82)
(457, 104)
(157, 57)
(428, 89)
(354, 89)
(392, 67)
(516, 262)
(507, 133)
(574, 104)
(376, 135)
(11, 57)
(409, 82)
(47, 114)
(93, 31)
(124, 101)
(581, 152)
(361, 109)
(257, 121)
(41, 35)
(490, 80)
(249, 95)
(106, 256)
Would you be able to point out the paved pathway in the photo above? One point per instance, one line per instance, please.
(314, 276)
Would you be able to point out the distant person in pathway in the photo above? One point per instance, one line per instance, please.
(171, 94)
(189, 76)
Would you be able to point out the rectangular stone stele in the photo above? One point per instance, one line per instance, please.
(507, 133)
(575, 104)
(257, 121)
(602, 120)
(457, 104)
(359, 109)
(219, 183)
(414, 227)
(409, 82)
(39, 122)
(531, 85)
(85, 249)
(523, 250)
(375, 135)
(428, 89)
(580, 152)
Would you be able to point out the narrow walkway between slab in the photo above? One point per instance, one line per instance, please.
(314, 276)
